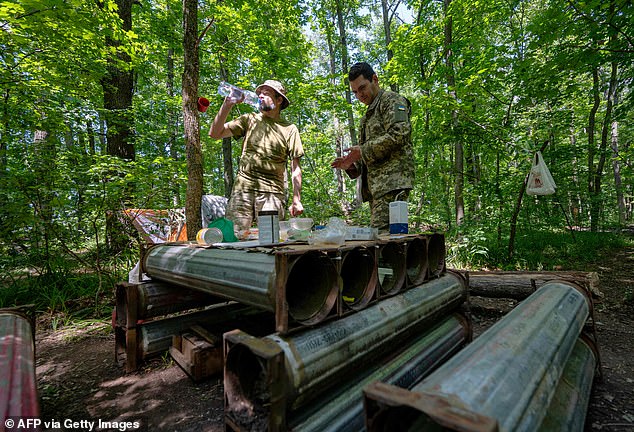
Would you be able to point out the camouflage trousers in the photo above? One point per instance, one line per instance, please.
(243, 207)
(380, 209)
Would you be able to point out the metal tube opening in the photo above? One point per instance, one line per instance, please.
(246, 390)
(311, 288)
(391, 268)
(436, 255)
(401, 418)
(359, 278)
(416, 259)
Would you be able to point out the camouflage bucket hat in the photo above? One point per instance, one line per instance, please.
(278, 87)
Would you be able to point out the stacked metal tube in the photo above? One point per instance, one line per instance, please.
(505, 380)
(250, 277)
(342, 410)
(313, 361)
(304, 283)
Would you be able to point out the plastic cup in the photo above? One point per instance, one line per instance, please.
(203, 104)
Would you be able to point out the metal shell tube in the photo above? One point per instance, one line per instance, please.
(567, 410)
(359, 276)
(436, 254)
(343, 411)
(154, 299)
(391, 267)
(506, 376)
(155, 337)
(18, 397)
(312, 287)
(248, 277)
(417, 264)
(317, 358)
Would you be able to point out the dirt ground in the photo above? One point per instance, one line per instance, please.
(78, 379)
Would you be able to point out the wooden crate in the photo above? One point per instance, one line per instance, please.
(198, 353)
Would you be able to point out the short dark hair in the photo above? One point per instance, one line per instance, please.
(361, 68)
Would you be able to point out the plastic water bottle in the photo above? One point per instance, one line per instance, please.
(236, 93)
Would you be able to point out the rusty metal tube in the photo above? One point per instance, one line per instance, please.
(249, 277)
(567, 410)
(155, 337)
(416, 260)
(157, 298)
(316, 358)
(18, 396)
(343, 411)
(358, 273)
(391, 268)
(506, 376)
(436, 254)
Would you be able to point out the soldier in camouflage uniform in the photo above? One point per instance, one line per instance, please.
(384, 157)
(269, 141)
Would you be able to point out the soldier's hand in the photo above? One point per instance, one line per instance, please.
(296, 208)
(345, 162)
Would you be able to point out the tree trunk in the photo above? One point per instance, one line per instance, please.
(117, 89)
(227, 160)
(605, 132)
(387, 21)
(344, 67)
(519, 285)
(451, 88)
(616, 168)
(4, 129)
(172, 119)
(227, 153)
(518, 207)
(339, 139)
(191, 123)
(591, 146)
(43, 168)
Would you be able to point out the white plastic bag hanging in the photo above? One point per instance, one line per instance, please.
(540, 181)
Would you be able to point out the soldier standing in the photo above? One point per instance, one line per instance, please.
(384, 157)
(269, 142)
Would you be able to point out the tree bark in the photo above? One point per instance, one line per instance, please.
(519, 285)
(191, 122)
(117, 88)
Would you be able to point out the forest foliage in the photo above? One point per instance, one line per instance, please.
(491, 82)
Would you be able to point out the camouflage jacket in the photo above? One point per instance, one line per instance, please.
(387, 155)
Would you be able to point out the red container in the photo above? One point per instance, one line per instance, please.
(203, 104)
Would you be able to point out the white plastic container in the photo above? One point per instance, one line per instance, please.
(268, 227)
(398, 217)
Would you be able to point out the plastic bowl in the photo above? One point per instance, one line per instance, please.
(304, 224)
